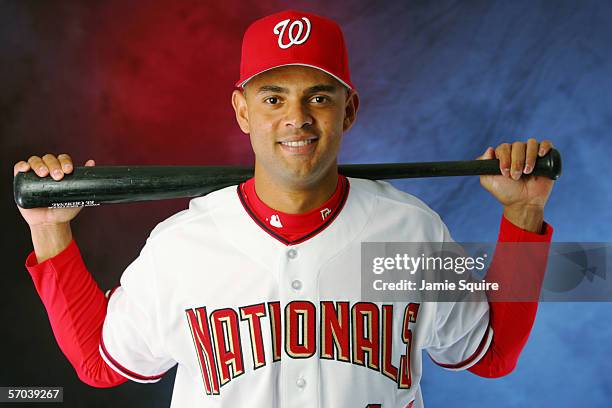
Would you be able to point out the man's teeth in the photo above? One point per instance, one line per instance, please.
(298, 143)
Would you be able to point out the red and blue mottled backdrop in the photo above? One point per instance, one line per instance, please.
(150, 83)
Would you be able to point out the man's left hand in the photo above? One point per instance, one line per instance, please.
(522, 194)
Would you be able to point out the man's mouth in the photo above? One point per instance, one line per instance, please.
(300, 147)
(299, 143)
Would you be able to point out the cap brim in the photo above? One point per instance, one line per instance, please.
(243, 83)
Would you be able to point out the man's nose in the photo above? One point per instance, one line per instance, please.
(297, 115)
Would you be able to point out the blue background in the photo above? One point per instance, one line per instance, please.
(444, 82)
(438, 81)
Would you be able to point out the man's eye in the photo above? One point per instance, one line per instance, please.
(272, 100)
(320, 99)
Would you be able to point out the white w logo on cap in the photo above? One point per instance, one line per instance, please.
(279, 30)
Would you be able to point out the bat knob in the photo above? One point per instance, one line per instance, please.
(549, 165)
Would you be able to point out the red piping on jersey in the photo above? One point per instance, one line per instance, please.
(343, 185)
(112, 291)
(471, 358)
(124, 370)
(410, 405)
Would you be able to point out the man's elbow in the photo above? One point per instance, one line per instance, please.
(100, 375)
(493, 369)
(101, 384)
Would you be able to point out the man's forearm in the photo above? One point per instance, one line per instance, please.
(50, 239)
(529, 218)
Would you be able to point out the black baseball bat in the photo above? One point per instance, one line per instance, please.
(89, 186)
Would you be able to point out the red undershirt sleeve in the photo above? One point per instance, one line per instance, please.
(76, 308)
(512, 321)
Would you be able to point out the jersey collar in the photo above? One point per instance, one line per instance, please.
(291, 229)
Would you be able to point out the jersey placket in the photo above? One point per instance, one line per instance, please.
(299, 373)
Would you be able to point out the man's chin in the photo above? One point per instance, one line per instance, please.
(307, 173)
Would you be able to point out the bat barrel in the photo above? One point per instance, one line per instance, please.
(546, 166)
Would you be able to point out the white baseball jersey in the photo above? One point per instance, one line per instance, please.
(252, 322)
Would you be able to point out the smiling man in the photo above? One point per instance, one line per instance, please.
(296, 116)
(254, 291)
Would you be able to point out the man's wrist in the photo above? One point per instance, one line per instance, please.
(527, 217)
(50, 239)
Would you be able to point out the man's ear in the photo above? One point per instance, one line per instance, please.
(350, 112)
(240, 107)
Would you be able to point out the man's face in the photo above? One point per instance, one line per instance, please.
(295, 117)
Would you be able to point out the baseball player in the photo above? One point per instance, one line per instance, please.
(254, 290)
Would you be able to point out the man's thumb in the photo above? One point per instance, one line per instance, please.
(488, 154)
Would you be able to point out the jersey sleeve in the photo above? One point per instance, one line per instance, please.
(461, 331)
(76, 308)
(512, 321)
(132, 342)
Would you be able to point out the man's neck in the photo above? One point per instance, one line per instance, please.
(295, 200)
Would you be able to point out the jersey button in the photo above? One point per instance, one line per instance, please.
(296, 284)
(300, 382)
(292, 253)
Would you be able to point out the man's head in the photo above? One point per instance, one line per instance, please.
(295, 98)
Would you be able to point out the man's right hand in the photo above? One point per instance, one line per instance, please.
(42, 167)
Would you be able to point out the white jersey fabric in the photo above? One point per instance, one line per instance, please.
(251, 321)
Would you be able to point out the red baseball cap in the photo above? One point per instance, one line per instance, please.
(294, 37)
